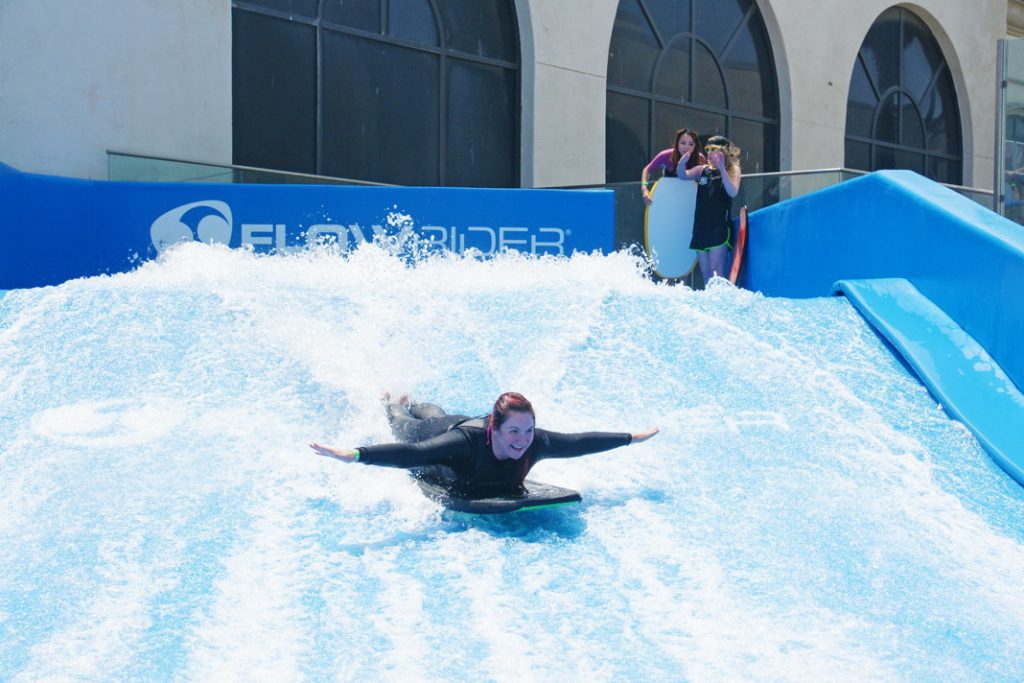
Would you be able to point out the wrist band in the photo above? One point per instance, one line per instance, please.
(355, 455)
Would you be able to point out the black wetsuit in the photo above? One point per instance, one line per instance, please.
(452, 450)
(712, 219)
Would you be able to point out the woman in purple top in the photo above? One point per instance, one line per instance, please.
(686, 151)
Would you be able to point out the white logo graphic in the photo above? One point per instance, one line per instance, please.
(211, 221)
(213, 224)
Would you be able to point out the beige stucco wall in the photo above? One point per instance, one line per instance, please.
(154, 77)
(815, 44)
(820, 64)
(564, 91)
(79, 78)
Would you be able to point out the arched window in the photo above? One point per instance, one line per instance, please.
(692, 64)
(410, 92)
(902, 109)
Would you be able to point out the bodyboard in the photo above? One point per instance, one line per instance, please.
(668, 227)
(740, 248)
(537, 496)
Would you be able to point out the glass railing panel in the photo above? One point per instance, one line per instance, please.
(154, 170)
(132, 167)
(756, 191)
(1009, 150)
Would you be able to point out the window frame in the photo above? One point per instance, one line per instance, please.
(444, 53)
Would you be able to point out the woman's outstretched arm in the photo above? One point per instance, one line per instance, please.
(562, 445)
(345, 455)
(439, 450)
(640, 437)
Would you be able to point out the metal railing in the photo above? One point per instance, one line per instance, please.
(142, 168)
(756, 191)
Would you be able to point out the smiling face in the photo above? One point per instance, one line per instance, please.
(513, 437)
(686, 144)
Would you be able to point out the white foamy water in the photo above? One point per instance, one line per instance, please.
(807, 513)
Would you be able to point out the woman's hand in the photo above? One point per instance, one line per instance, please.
(640, 437)
(645, 192)
(328, 452)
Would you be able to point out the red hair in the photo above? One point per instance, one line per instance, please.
(508, 403)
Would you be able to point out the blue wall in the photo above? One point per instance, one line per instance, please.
(55, 229)
(966, 259)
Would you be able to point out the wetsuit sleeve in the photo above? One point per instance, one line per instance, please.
(439, 450)
(559, 445)
(663, 159)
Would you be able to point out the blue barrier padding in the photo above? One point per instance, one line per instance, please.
(963, 257)
(968, 382)
(55, 229)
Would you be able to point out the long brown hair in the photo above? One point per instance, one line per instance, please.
(731, 151)
(698, 148)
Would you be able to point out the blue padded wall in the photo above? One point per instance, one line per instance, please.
(965, 258)
(54, 229)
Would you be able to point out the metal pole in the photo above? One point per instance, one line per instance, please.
(999, 181)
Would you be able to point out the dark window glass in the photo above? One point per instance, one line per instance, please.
(694, 65)
(742, 64)
(881, 51)
(913, 161)
(413, 20)
(669, 118)
(672, 79)
(671, 18)
(364, 15)
(888, 121)
(274, 93)
(634, 48)
(299, 8)
(365, 135)
(943, 170)
(396, 91)
(894, 157)
(858, 155)
(884, 157)
(481, 111)
(911, 125)
(1015, 128)
(757, 153)
(708, 86)
(941, 120)
(481, 28)
(629, 127)
(920, 54)
(718, 20)
(861, 105)
(917, 116)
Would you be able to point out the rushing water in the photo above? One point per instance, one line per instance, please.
(807, 513)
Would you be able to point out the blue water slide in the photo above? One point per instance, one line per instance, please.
(953, 365)
(937, 274)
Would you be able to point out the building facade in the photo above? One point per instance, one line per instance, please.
(532, 93)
